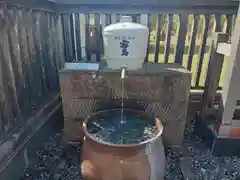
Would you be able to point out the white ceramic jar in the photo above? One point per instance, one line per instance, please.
(125, 44)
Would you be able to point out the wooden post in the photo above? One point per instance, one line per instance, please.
(231, 88)
(213, 75)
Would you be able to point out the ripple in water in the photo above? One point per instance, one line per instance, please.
(131, 130)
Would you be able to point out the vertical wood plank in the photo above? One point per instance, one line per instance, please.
(73, 38)
(134, 17)
(98, 36)
(193, 41)
(144, 19)
(113, 18)
(50, 53)
(67, 37)
(181, 38)
(168, 39)
(48, 60)
(55, 67)
(149, 25)
(103, 21)
(229, 25)
(108, 19)
(144, 22)
(46, 49)
(4, 109)
(202, 49)
(61, 42)
(7, 72)
(55, 45)
(234, 22)
(42, 53)
(138, 19)
(25, 60)
(224, 23)
(218, 22)
(39, 57)
(87, 37)
(15, 57)
(118, 16)
(63, 17)
(103, 25)
(83, 36)
(34, 71)
(78, 37)
(158, 30)
(213, 75)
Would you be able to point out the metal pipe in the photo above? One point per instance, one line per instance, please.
(123, 73)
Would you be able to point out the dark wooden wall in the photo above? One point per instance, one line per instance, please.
(31, 53)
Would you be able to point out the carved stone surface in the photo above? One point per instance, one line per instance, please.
(161, 90)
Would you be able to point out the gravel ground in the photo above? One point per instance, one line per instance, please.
(58, 161)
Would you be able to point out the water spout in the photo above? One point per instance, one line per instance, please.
(122, 89)
(123, 73)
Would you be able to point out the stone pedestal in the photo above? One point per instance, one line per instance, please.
(162, 90)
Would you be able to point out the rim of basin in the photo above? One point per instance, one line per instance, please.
(158, 124)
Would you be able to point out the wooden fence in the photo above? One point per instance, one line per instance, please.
(34, 44)
(174, 38)
(31, 53)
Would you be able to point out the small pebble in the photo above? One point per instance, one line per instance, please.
(56, 160)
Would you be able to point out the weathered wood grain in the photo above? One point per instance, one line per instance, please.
(202, 49)
(158, 30)
(168, 38)
(24, 60)
(3, 110)
(50, 58)
(15, 57)
(39, 55)
(60, 43)
(72, 36)
(55, 59)
(87, 39)
(218, 23)
(11, 101)
(30, 56)
(78, 37)
(181, 37)
(149, 25)
(213, 74)
(33, 68)
(193, 41)
(67, 37)
(98, 36)
(229, 27)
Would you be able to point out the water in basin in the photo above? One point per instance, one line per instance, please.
(116, 127)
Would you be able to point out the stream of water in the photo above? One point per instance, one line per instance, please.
(122, 100)
(122, 94)
(122, 126)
